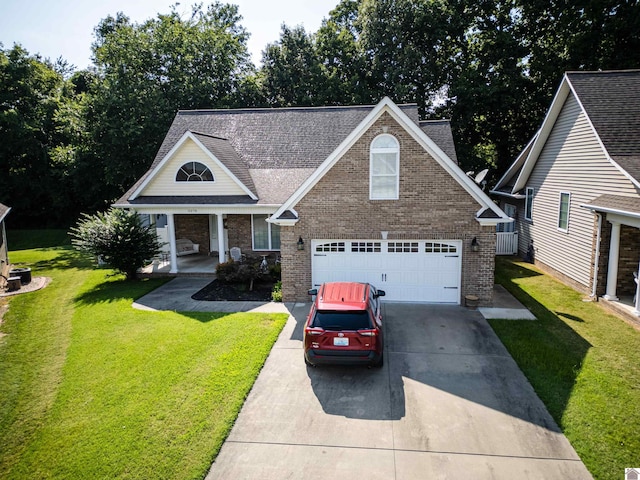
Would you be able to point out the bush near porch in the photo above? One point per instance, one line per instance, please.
(583, 362)
(92, 388)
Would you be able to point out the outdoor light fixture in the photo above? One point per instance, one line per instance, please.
(475, 246)
(300, 243)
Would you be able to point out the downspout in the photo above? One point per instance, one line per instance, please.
(597, 258)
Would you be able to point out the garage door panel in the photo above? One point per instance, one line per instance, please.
(425, 270)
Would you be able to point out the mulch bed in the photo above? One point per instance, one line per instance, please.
(217, 291)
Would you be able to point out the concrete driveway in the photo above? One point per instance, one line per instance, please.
(449, 403)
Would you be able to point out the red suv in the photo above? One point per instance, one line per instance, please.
(344, 325)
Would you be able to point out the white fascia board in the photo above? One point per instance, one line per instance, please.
(289, 222)
(386, 105)
(199, 209)
(611, 210)
(174, 149)
(543, 134)
(285, 222)
(492, 222)
(5, 214)
(517, 196)
(516, 165)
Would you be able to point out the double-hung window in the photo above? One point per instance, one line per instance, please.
(384, 168)
(266, 236)
(528, 204)
(563, 211)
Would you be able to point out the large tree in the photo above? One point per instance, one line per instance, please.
(150, 70)
(33, 107)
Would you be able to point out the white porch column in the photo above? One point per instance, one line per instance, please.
(614, 254)
(221, 255)
(172, 243)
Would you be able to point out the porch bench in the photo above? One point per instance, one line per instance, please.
(184, 246)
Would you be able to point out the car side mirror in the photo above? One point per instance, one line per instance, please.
(380, 293)
(313, 291)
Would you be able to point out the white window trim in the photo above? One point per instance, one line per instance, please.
(565, 230)
(269, 224)
(372, 151)
(527, 202)
(175, 177)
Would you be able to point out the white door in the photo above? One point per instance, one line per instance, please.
(408, 271)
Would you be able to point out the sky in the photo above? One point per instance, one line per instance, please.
(64, 28)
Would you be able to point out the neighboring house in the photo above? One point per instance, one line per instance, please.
(575, 189)
(362, 193)
(4, 250)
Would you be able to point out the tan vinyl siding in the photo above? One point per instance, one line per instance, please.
(572, 161)
(164, 183)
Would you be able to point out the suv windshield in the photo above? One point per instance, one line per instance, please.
(342, 320)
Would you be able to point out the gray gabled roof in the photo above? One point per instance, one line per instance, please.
(440, 132)
(274, 150)
(629, 206)
(222, 149)
(612, 103)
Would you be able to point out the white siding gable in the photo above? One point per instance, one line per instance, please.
(164, 181)
(572, 160)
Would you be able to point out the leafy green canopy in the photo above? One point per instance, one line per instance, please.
(118, 237)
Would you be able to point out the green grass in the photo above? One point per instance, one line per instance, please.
(583, 362)
(92, 388)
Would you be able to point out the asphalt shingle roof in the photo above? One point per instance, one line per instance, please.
(274, 150)
(612, 103)
(616, 202)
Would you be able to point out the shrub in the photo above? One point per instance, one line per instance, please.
(276, 271)
(226, 272)
(276, 294)
(117, 236)
(234, 272)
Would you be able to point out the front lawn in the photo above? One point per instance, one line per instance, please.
(583, 362)
(92, 388)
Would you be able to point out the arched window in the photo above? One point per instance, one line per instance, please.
(384, 168)
(194, 172)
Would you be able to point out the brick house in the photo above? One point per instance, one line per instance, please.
(575, 188)
(361, 193)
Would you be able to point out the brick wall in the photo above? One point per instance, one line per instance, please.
(239, 231)
(195, 228)
(432, 205)
(628, 263)
(629, 255)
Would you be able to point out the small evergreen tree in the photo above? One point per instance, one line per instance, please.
(118, 237)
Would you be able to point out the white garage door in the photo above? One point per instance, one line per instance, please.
(408, 271)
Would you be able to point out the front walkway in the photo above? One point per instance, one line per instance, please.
(176, 296)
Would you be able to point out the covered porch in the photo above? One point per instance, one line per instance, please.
(195, 240)
(196, 265)
(616, 262)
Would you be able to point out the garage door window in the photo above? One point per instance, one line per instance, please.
(384, 168)
(330, 247)
(403, 247)
(365, 247)
(439, 248)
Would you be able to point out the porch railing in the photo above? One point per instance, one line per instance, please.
(506, 243)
